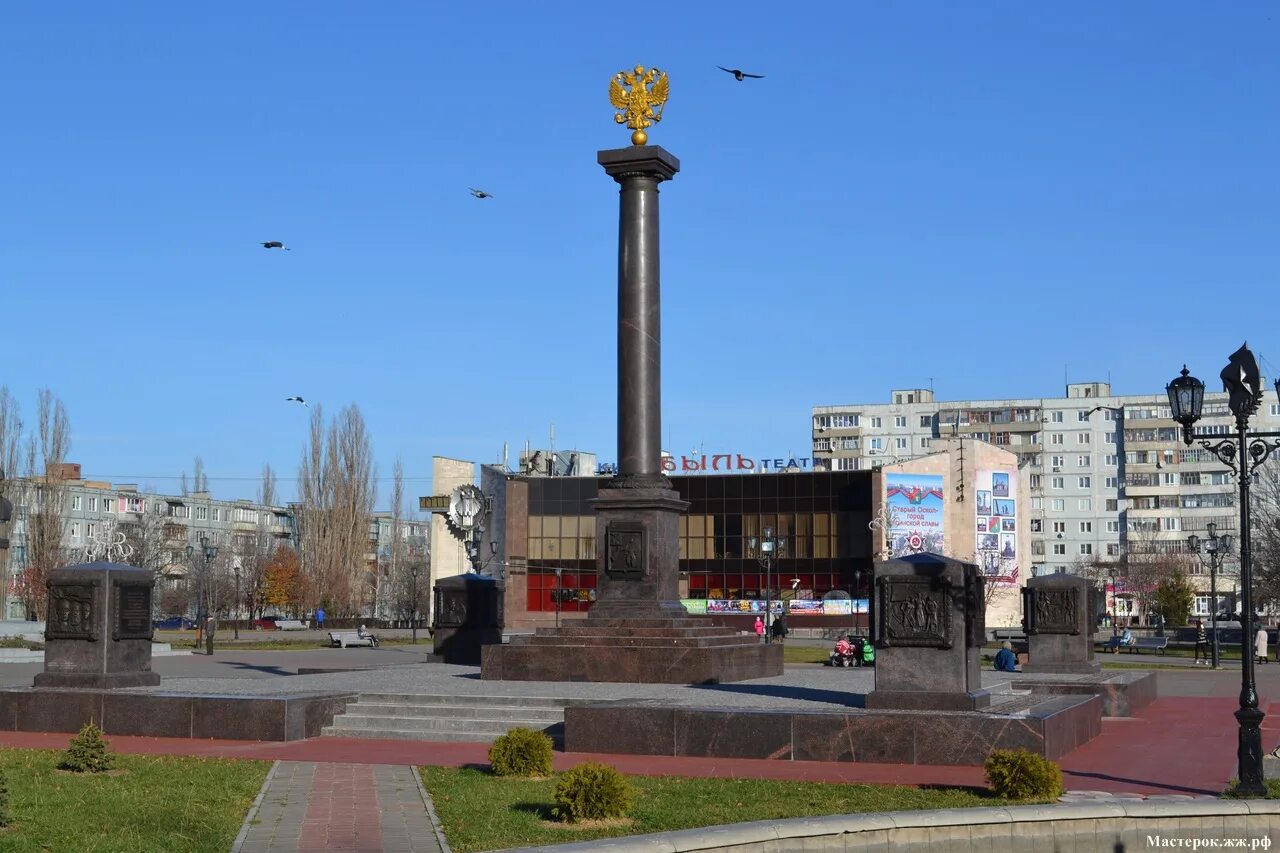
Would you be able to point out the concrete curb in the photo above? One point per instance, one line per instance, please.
(431, 811)
(838, 828)
(253, 809)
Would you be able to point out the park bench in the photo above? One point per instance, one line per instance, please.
(342, 639)
(1155, 644)
(291, 625)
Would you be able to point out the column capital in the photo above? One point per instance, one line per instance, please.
(651, 161)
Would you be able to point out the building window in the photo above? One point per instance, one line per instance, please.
(900, 421)
(108, 505)
(1086, 527)
(1059, 527)
(75, 531)
(1056, 438)
(1086, 548)
(1083, 438)
(217, 514)
(1275, 410)
(900, 443)
(1169, 479)
(1083, 461)
(90, 529)
(925, 442)
(1113, 549)
(75, 502)
(1112, 459)
(1112, 505)
(137, 505)
(1086, 505)
(1111, 438)
(1060, 549)
(1035, 481)
(1112, 482)
(1037, 503)
(1113, 527)
(846, 464)
(1036, 525)
(877, 444)
(1056, 482)
(876, 423)
(1056, 417)
(926, 421)
(1086, 482)
(1058, 505)
(1059, 461)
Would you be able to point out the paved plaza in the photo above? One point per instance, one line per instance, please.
(335, 793)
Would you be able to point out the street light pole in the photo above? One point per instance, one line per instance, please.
(768, 547)
(1243, 453)
(413, 595)
(1216, 547)
(235, 615)
(1115, 604)
(559, 571)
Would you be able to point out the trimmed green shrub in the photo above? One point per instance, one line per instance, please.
(1016, 774)
(521, 752)
(87, 752)
(592, 791)
(1272, 786)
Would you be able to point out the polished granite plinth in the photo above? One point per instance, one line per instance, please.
(1052, 727)
(1122, 693)
(155, 714)
(676, 650)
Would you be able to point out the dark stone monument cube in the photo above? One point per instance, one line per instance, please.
(927, 624)
(1058, 614)
(98, 631)
(468, 615)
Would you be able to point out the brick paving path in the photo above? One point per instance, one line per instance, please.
(310, 807)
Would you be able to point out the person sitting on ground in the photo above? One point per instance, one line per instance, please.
(1006, 660)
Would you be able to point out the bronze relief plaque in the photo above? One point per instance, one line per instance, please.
(133, 612)
(913, 612)
(71, 612)
(1052, 611)
(626, 557)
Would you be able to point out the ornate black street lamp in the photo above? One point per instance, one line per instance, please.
(209, 552)
(1216, 547)
(1242, 453)
(1115, 603)
(413, 595)
(766, 549)
(235, 617)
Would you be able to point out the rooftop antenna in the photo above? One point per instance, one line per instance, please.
(505, 457)
(551, 453)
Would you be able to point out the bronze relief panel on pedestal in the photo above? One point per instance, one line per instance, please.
(71, 612)
(913, 612)
(626, 552)
(1051, 611)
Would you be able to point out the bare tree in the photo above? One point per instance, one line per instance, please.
(45, 495)
(10, 454)
(1149, 561)
(254, 551)
(1265, 539)
(336, 480)
(400, 559)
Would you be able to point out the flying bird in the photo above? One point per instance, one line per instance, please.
(275, 244)
(739, 75)
(296, 400)
(480, 193)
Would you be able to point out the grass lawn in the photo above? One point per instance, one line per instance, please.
(186, 639)
(483, 812)
(159, 803)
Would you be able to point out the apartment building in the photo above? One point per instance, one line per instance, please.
(164, 525)
(1107, 474)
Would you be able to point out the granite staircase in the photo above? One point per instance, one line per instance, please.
(474, 719)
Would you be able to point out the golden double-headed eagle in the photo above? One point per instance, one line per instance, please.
(642, 105)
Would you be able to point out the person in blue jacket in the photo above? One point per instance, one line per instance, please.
(1006, 660)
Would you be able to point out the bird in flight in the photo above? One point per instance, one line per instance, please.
(275, 244)
(480, 193)
(296, 400)
(739, 75)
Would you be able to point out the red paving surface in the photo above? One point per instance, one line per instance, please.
(333, 821)
(1175, 745)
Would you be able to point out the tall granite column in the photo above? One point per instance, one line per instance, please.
(637, 514)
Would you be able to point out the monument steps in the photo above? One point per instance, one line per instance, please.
(657, 642)
(473, 719)
(631, 631)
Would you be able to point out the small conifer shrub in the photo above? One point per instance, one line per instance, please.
(87, 752)
(521, 752)
(1016, 774)
(592, 791)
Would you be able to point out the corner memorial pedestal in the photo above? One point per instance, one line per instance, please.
(1059, 614)
(928, 626)
(98, 632)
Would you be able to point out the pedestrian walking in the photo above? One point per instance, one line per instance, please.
(759, 628)
(1260, 644)
(1202, 643)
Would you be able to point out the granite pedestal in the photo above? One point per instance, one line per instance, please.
(468, 616)
(927, 624)
(98, 632)
(1059, 615)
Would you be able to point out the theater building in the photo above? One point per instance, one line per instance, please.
(962, 501)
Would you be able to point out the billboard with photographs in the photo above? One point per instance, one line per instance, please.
(916, 520)
(996, 507)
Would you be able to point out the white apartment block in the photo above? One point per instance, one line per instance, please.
(1107, 473)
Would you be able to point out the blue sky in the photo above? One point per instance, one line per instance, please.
(985, 196)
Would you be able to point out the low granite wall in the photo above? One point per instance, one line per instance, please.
(1109, 826)
(152, 714)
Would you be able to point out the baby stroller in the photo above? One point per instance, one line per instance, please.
(844, 654)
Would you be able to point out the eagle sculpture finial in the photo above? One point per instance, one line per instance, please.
(642, 105)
